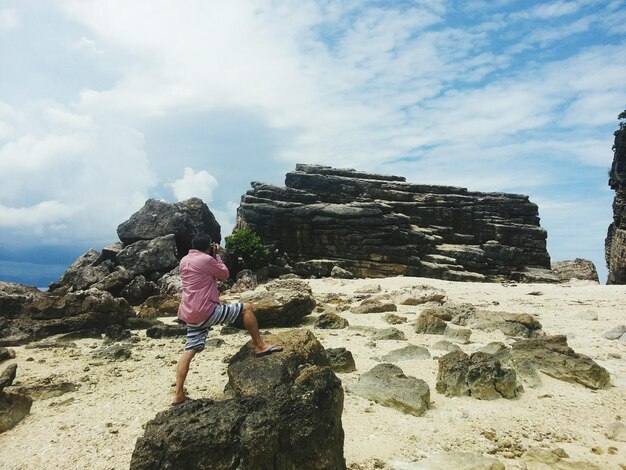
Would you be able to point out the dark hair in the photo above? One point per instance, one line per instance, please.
(202, 242)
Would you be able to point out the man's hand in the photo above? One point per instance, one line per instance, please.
(216, 249)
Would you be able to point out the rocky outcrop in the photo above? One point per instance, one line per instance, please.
(34, 315)
(378, 225)
(615, 244)
(285, 414)
(581, 269)
(144, 262)
(551, 355)
(511, 324)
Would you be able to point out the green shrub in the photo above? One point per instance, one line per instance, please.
(247, 245)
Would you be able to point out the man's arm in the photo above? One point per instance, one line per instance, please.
(214, 266)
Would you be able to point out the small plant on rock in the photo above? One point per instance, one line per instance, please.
(245, 245)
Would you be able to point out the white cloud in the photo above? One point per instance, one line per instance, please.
(194, 184)
(88, 46)
(9, 19)
(44, 213)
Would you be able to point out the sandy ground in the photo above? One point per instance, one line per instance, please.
(96, 425)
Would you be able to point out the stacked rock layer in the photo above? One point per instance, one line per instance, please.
(380, 225)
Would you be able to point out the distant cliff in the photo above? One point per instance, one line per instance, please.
(615, 245)
(380, 225)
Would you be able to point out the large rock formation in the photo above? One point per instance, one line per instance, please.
(377, 225)
(581, 269)
(615, 245)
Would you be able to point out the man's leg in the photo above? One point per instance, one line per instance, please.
(250, 324)
(181, 375)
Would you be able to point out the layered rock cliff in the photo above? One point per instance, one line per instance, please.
(380, 225)
(615, 245)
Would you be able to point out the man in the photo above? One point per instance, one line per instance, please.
(200, 307)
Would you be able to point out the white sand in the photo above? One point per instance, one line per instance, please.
(96, 426)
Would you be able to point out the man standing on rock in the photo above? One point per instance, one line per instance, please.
(200, 308)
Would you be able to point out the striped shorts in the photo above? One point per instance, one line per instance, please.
(224, 314)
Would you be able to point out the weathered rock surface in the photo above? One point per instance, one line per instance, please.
(282, 303)
(430, 325)
(411, 352)
(6, 354)
(479, 375)
(417, 295)
(615, 333)
(615, 244)
(388, 334)
(285, 414)
(511, 324)
(616, 431)
(551, 355)
(387, 385)
(341, 360)
(13, 406)
(165, 331)
(159, 306)
(331, 321)
(582, 269)
(37, 315)
(378, 225)
(454, 461)
(547, 459)
(374, 306)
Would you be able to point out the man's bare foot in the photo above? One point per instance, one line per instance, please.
(178, 400)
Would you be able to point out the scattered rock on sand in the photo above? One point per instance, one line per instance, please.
(6, 354)
(331, 321)
(538, 458)
(450, 310)
(388, 333)
(458, 335)
(444, 345)
(374, 306)
(417, 295)
(615, 333)
(394, 319)
(430, 325)
(552, 356)
(479, 375)
(453, 461)
(341, 360)
(387, 385)
(511, 324)
(616, 431)
(411, 352)
(166, 331)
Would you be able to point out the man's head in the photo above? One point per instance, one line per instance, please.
(202, 242)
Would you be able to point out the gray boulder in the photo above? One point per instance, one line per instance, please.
(387, 385)
(407, 353)
(551, 355)
(157, 219)
(388, 334)
(138, 290)
(6, 354)
(149, 256)
(85, 271)
(374, 306)
(511, 324)
(615, 333)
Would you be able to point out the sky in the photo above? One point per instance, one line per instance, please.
(106, 104)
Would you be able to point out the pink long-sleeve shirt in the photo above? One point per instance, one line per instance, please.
(198, 273)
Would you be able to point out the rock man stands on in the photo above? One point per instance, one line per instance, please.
(200, 308)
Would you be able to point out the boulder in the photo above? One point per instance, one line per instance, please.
(138, 290)
(13, 296)
(447, 346)
(341, 360)
(551, 355)
(394, 319)
(246, 280)
(387, 385)
(430, 325)
(479, 375)
(615, 333)
(171, 284)
(340, 273)
(450, 311)
(184, 220)
(388, 334)
(282, 303)
(159, 306)
(285, 413)
(85, 271)
(331, 321)
(162, 330)
(511, 324)
(13, 406)
(418, 295)
(581, 269)
(374, 306)
(458, 335)
(407, 353)
(150, 256)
